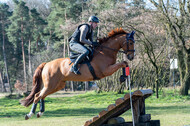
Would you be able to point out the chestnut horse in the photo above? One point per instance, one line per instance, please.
(54, 74)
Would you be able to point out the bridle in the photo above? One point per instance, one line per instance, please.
(128, 37)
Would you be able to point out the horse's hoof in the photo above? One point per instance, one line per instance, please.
(26, 117)
(38, 115)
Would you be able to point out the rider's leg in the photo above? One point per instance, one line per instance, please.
(83, 53)
(78, 60)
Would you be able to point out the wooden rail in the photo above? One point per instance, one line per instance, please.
(122, 105)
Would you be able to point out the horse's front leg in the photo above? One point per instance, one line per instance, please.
(113, 68)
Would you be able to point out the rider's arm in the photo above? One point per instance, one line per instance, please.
(84, 30)
(91, 37)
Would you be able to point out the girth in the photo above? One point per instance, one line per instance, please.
(92, 71)
(90, 68)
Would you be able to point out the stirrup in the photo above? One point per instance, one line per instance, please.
(75, 71)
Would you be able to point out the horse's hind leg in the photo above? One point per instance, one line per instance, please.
(34, 105)
(40, 97)
(33, 109)
(45, 92)
(42, 108)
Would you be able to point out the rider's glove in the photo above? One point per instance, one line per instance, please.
(95, 44)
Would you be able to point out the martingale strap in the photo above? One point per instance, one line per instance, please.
(92, 71)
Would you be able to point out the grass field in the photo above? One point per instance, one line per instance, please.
(171, 109)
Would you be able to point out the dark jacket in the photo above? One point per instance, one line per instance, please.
(76, 35)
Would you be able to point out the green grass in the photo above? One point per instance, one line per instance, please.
(171, 109)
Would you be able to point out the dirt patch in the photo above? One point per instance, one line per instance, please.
(3, 95)
(57, 94)
(66, 94)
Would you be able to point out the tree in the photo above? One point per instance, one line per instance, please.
(41, 6)
(4, 15)
(18, 31)
(175, 18)
(36, 29)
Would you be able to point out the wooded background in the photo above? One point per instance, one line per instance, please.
(36, 31)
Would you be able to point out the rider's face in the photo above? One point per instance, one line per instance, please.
(94, 25)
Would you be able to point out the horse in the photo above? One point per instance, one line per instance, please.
(51, 77)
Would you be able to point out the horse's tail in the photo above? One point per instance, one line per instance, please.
(37, 80)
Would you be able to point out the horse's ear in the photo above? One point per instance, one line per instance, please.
(132, 33)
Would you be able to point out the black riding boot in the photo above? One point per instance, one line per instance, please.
(74, 68)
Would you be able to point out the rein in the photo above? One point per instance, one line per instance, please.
(114, 49)
(125, 52)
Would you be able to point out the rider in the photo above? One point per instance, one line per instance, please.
(83, 35)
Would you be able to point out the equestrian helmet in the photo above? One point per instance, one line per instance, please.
(93, 19)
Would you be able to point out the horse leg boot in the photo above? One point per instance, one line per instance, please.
(32, 111)
(74, 68)
(42, 108)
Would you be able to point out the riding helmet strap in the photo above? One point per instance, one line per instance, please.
(92, 71)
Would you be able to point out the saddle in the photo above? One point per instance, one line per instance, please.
(73, 56)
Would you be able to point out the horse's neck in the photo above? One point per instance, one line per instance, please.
(112, 46)
(108, 51)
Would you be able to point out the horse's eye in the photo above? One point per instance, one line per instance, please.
(131, 43)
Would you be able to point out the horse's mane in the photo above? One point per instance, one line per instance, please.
(113, 33)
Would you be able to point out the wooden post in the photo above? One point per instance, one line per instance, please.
(142, 106)
(136, 111)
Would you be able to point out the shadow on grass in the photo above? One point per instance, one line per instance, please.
(57, 113)
(73, 112)
(161, 110)
(11, 114)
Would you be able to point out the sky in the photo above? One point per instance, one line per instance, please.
(148, 3)
(3, 1)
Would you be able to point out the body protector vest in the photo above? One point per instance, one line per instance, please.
(76, 35)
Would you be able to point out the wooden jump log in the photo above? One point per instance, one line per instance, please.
(122, 105)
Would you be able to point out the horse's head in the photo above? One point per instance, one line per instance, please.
(123, 40)
(129, 45)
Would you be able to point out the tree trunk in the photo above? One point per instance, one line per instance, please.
(86, 86)
(24, 62)
(72, 86)
(29, 63)
(184, 73)
(23, 55)
(64, 47)
(5, 59)
(185, 85)
(37, 42)
(68, 51)
(157, 83)
(3, 84)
